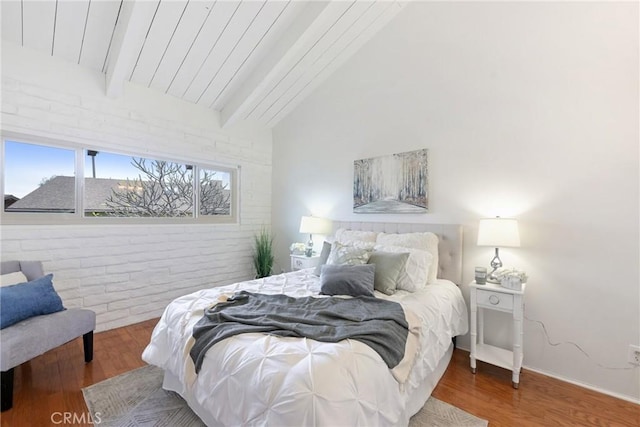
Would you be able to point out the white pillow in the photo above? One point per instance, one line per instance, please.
(345, 236)
(425, 241)
(355, 254)
(413, 276)
(13, 278)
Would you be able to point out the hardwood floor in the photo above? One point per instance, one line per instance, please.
(49, 386)
(539, 401)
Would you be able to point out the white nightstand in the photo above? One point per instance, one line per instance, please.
(495, 297)
(298, 262)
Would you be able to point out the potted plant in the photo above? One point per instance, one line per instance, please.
(263, 253)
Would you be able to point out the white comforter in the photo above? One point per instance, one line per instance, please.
(256, 379)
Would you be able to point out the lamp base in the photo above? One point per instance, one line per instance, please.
(496, 263)
(309, 251)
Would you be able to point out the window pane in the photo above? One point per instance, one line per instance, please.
(39, 178)
(124, 186)
(215, 192)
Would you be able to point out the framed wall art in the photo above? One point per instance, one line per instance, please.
(397, 183)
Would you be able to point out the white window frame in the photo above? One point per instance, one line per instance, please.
(35, 218)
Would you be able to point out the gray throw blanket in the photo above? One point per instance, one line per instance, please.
(378, 323)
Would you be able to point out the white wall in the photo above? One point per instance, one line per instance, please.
(129, 273)
(528, 110)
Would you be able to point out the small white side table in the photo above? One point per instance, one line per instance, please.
(298, 262)
(495, 297)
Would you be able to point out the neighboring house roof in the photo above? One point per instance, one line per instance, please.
(58, 195)
(10, 199)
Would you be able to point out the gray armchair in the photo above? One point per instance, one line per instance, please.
(29, 338)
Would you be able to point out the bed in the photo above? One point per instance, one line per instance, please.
(262, 379)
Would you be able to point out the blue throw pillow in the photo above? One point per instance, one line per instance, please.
(25, 300)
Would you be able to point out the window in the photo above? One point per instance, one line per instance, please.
(124, 186)
(215, 192)
(41, 178)
(38, 178)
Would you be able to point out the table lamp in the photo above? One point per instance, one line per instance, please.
(314, 225)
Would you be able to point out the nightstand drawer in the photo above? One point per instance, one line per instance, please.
(497, 300)
(298, 262)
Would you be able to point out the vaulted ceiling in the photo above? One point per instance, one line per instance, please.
(249, 60)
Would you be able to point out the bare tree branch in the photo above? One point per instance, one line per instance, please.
(165, 189)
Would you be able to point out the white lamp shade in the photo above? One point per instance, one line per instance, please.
(498, 232)
(315, 225)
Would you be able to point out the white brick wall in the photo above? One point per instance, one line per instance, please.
(129, 273)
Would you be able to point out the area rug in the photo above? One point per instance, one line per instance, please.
(137, 399)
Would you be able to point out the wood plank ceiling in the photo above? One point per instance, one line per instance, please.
(249, 60)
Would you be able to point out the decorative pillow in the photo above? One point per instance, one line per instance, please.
(25, 300)
(425, 241)
(353, 280)
(388, 268)
(416, 270)
(324, 255)
(13, 278)
(349, 254)
(345, 236)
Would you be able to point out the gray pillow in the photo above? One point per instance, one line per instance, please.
(388, 266)
(324, 255)
(353, 280)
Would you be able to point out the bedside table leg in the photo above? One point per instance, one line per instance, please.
(518, 314)
(473, 333)
(515, 378)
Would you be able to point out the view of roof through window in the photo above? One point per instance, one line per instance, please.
(41, 178)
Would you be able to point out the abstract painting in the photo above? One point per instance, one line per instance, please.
(391, 184)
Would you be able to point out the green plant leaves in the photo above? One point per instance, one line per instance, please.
(263, 253)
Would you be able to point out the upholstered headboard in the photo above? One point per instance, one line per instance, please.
(449, 246)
